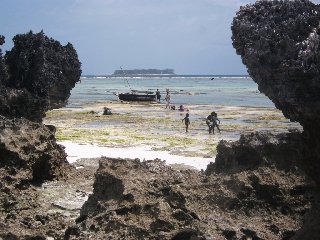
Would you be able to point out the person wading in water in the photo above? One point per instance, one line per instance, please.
(158, 95)
(212, 121)
(186, 121)
(168, 99)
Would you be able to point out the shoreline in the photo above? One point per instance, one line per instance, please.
(149, 131)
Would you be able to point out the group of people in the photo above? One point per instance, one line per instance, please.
(212, 122)
(167, 97)
(168, 101)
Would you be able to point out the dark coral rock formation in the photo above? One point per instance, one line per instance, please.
(30, 148)
(41, 74)
(35, 76)
(279, 43)
(280, 154)
(149, 200)
(137, 202)
(283, 151)
(274, 180)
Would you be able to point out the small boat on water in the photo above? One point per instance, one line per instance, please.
(135, 95)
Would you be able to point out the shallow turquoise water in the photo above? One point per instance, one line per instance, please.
(229, 91)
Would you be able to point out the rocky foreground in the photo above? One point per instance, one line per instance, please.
(35, 76)
(266, 199)
(264, 186)
(257, 197)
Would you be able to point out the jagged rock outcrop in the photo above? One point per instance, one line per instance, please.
(138, 204)
(41, 74)
(149, 200)
(30, 148)
(279, 43)
(35, 76)
(281, 151)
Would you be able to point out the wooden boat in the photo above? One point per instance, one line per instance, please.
(135, 95)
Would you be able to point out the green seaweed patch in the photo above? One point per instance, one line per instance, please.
(79, 134)
(272, 117)
(163, 148)
(55, 113)
(177, 141)
(78, 117)
(140, 137)
(111, 140)
(210, 148)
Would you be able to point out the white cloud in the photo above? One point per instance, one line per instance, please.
(169, 33)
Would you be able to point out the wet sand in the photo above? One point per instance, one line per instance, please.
(148, 130)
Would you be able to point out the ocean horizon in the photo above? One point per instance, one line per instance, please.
(230, 90)
(164, 75)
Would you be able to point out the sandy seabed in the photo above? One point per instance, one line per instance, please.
(148, 131)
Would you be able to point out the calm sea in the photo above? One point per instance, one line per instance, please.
(222, 90)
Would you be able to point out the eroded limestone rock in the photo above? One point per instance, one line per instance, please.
(149, 200)
(35, 76)
(279, 43)
(283, 151)
(41, 73)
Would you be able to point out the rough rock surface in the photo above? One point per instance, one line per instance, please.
(149, 200)
(35, 76)
(44, 211)
(257, 189)
(30, 148)
(282, 151)
(41, 73)
(279, 43)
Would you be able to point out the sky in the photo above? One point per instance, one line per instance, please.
(189, 36)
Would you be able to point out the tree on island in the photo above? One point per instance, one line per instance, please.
(144, 72)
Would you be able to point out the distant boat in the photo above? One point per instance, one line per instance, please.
(135, 95)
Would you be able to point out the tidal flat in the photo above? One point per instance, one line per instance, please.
(151, 124)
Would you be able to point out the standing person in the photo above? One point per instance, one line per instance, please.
(186, 121)
(212, 121)
(158, 95)
(168, 99)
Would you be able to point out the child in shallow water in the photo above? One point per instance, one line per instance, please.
(186, 121)
(212, 121)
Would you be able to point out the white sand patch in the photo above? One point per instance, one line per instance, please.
(76, 151)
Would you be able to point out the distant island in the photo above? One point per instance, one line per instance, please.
(122, 72)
